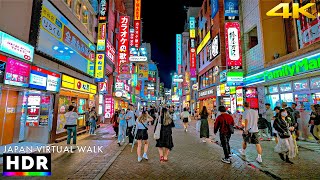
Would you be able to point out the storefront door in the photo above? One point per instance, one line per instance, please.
(8, 104)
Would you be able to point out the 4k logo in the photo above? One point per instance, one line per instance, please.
(296, 10)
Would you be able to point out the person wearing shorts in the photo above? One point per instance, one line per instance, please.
(251, 132)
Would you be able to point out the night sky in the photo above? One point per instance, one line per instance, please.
(162, 20)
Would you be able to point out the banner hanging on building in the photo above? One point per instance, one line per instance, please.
(123, 45)
(233, 45)
(193, 63)
(131, 43)
(178, 49)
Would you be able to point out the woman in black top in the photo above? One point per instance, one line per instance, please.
(165, 143)
(204, 127)
(313, 116)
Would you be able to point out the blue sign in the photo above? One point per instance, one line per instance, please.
(179, 49)
(16, 47)
(223, 76)
(202, 22)
(214, 8)
(59, 39)
(231, 9)
(192, 22)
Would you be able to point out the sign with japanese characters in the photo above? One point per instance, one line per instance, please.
(103, 13)
(193, 63)
(102, 33)
(123, 45)
(59, 39)
(131, 43)
(233, 45)
(99, 71)
(137, 10)
(192, 26)
(137, 32)
(231, 9)
(108, 106)
(214, 48)
(110, 52)
(214, 8)
(179, 49)
(44, 80)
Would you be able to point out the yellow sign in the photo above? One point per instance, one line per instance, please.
(204, 42)
(99, 67)
(67, 82)
(93, 89)
(192, 33)
(222, 89)
(296, 11)
(81, 86)
(137, 10)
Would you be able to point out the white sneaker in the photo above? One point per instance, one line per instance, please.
(259, 159)
(123, 141)
(228, 161)
(145, 156)
(204, 141)
(242, 152)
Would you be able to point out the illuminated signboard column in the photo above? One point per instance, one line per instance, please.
(179, 52)
(192, 54)
(233, 45)
(123, 48)
(137, 23)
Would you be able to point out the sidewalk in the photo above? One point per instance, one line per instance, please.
(189, 159)
(306, 164)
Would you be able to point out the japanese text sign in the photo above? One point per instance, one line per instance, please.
(137, 9)
(137, 31)
(102, 33)
(123, 48)
(111, 52)
(179, 49)
(99, 67)
(233, 45)
(103, 10)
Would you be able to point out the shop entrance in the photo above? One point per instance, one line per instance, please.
(8, 104)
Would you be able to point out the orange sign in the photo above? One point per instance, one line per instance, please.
(137, 10)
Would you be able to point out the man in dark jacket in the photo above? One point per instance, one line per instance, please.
(222, 123)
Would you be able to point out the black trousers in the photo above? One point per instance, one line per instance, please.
(269, 128)
(129, 130)
(225, 144)
(116, 129)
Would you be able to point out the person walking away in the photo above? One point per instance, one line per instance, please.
(142, 134)
(274, 132)
(185, 116)
(93, 120)
(316, 122)
(71, 125)
(131, 121)
(268, 114)
(312, 119)
(296, 116)
(122, 127)
(222, 124)
(115, 123)
(204, 126)
(87, 114)
(251, 131)
(285, 146)
(262, 126)
(165, 142)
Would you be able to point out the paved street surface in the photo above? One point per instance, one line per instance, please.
(190, 159)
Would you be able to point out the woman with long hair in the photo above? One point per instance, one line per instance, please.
(285, 146)
(115, 123)
(122, 127)
(185, 116)
(165, 142)
(142, 134)
(204, 127)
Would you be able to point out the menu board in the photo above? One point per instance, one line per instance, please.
(17, 73)
(44, 80)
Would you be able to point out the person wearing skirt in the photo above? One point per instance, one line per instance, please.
(185, 116)
(142, 134)
(204, 126)
(165, 142)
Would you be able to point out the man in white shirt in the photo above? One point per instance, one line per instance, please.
(251, 131)
(130, 117)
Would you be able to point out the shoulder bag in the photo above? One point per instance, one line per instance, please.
(156, 134)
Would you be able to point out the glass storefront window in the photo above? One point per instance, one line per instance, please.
(301, 85)
(274, 100)
(287, 97)
(315, 83)
(303, 100)
(273, 89)
(286, 87)
(210, 77)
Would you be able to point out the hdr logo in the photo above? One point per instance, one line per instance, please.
(26, 165)
(296, 10)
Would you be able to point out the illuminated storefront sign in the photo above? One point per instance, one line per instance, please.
(214, 8)
(102, 33)
(235, 78)
(76, 84)
(59, 39)
(17, 73)
(103, 10)
(193, 63)
(192, 27)
(16, 47)
(119, 86)
(123, 48)
(131, 42)
(138, 59)
(310, 33)
(103, 86)
(137, 32)
(214, 48)
(204, 42)
(239, 93)
(179, 49)
(223, 76)
(206, 93)
(233, 45)
(231, 9)
(110, 52)
(99, 67)
(44, 80)
(137, 9)
(108, 106)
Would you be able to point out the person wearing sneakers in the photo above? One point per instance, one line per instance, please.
(223, 123)
(142, 134)
(122, 127)
(251, 131)
(185, 116)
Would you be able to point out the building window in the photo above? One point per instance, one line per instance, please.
(78, 9)
(290, 34)
(210, 77)
(68, 3)
(253, 38)
(85, 16)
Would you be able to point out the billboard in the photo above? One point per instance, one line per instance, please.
(59, 39)
(123, 45)
(233, 45)
(137, 32)
(231, 9)
(192, 26)
(193, 63)
(178, 49)
(99, 67)
(44, 80)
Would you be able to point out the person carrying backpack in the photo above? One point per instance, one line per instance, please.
(224, 123)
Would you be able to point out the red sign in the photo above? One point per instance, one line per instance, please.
(193, 63)
(103, 87)
(137, 25)
(108, 106)
(123, 42)
(33, 110)
(254, 102)
(45, 99)
(111, 52)
(233, 45)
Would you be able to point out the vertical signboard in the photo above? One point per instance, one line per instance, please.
(110, 52)
(192, 26)
(137, 9)
(102, 32)
(193, 63)
(137, 23)
(233, 45)
(99, 67)
(178, 50)
(231, 9)
(131, 37)
(123, 45)
(103, 11)
(108, 106)
(214, 8)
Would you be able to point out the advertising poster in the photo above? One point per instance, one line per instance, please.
(3, 62)
(233, 45)
(33, 110)
(16, 47)
(43, 120)
(17, 73)
(59, 39)
(44, 80)
(123, 44)
(231, 9)
(143, 71)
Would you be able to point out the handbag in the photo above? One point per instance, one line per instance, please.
(156, 134)
(229, 126)
(189, 119)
